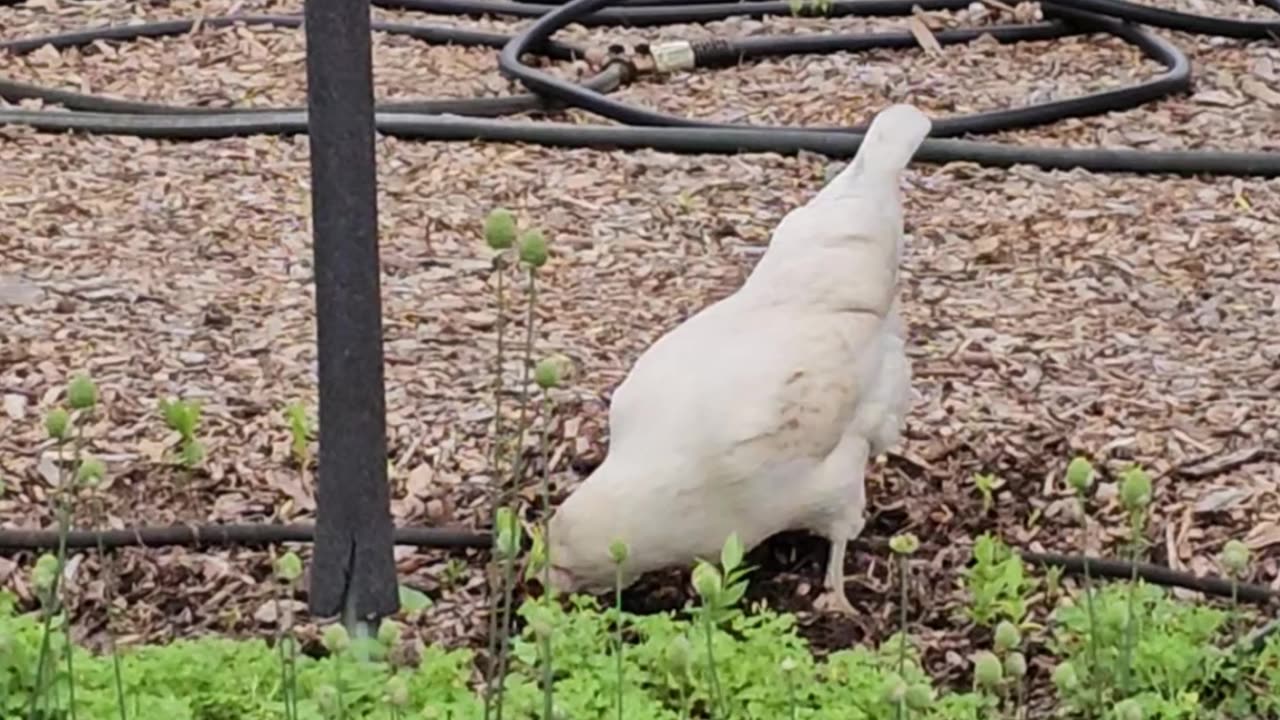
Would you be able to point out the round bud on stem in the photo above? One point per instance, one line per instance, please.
(919, 696)
(397, 691)
(987, 670)
(905, 544)
(1080, 475)
(500, 229)
(680, 654)
(1065, 678)
(82, 394)
(389, 632)
(45, 572)
(336, 639)
(1015, 665)
(533, 248)
(58, 424)
(1007, 637)
(618, 552)
(1235, 557)
(90, 472)
(1135, 490)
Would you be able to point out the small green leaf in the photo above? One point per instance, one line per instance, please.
(732, 552)
(413, 600)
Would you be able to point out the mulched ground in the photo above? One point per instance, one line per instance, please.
(1129, 318)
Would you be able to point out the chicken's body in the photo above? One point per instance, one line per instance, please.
(760, 413)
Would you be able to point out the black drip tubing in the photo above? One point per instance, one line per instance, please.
(473, 119)
(263, 534)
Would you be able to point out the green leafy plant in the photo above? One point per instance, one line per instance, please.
(986, 484)
(997, 583)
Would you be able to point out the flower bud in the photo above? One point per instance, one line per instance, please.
(1065, 678)
(397, 691)
(500, 229)
(1235, 557)
(90, 472)
(904, 544)
(618, 552)
(552, 370)
(1015, 665)
(58, 424)
(1080, 475)
(82, 394)
(327, 699)
(389, 632)
(895, 689)
(1007, 637)
(1135, 490)
(533, 248)
(987, 671)
(336, 639)
(788, 665)
(680, 654)
(919, 696)
(45, 572)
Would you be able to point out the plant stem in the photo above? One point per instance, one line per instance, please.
(617, 606)
(791, 697)
(1093, 677)
(1238, 680)
(548, 671)
(108, 591)
(711, 665)
(517, 469)
(64, 522)
(495, 487)
(1131, 621)
(903, 576)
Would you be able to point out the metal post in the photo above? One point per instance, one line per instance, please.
(353, 571)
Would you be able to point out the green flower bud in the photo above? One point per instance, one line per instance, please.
(919, 696)
(90, 472)
(680, 654)
(389, 632)
(327, 699)
(904, 544)
(987, 670)
(1135, 490)
(1015, 665)
(895, 689)
(788, 665)
(45, 572)
(336, 639)
(1007, 637)
(500, 229)
(58, 424)
(533, 248)
(289, 567)
(1235, 557)
(1080, 475)
(397, 691)
(1130, 709)
(82, 394)
(552, 370)
(1065, 678)
(618, 552)
(706, 580)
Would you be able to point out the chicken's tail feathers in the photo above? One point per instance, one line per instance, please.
(893, 138)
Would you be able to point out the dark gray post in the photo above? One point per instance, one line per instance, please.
(353, 571)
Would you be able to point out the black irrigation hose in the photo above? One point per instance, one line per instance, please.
(437, 119)
(445, 538)
(608, 80)
(217, 535)
(1186, 22)
(1176, 79)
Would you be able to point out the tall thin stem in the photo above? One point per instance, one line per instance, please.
(1094, 679)
(495, 487)
(517, 470)
(548, 671)
(903, 574)
(51, 598)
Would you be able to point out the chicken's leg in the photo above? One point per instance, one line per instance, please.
(846, 469)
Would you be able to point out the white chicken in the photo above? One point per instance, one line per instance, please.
(760, 413)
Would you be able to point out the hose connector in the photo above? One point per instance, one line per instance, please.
(716, 52)
(673, 56)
